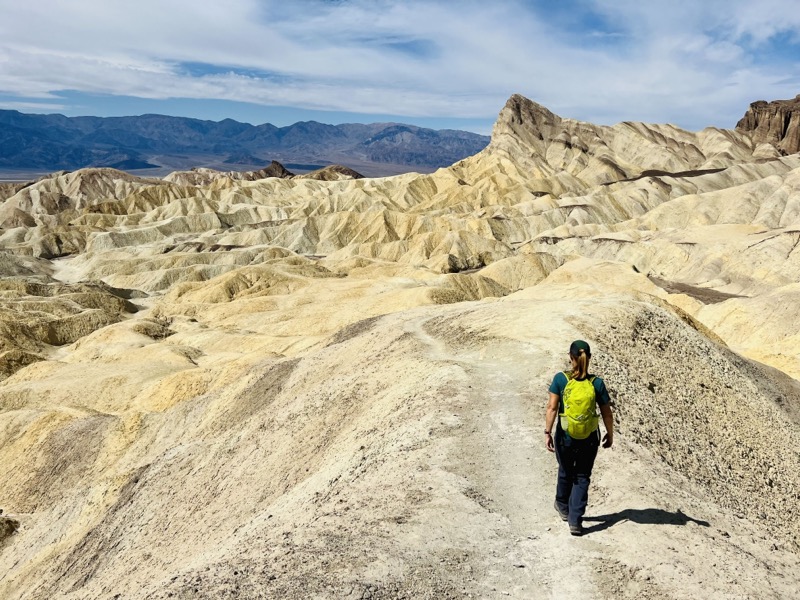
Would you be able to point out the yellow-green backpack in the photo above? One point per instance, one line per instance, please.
(579, 418)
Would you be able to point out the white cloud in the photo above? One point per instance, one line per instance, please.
(32, 106)
(763, 19)
(679, 61)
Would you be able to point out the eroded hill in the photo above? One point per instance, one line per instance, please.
(305, 388)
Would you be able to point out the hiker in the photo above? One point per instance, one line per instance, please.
(574, 396)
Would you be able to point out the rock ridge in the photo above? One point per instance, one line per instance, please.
(776, 123)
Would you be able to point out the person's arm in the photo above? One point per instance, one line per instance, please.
(608, 421)
(550, 421)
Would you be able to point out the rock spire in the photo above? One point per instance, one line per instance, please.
(776, 122)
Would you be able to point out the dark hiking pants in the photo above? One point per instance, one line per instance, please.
(575, 462)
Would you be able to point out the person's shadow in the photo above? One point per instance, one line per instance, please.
(643, 516)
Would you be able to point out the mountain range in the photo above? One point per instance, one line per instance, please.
(55, 142)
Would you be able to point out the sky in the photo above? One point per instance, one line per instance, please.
(434, 63)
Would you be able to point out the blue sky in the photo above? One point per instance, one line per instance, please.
(440, 64)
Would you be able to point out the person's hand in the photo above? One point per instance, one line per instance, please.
(608, 440)
(548, 442)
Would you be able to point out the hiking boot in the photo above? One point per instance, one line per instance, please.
(561, 513)
(576, 529)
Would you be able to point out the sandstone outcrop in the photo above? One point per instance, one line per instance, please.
(776, 123)
(332, 173)
(294, 387)
(205, 176)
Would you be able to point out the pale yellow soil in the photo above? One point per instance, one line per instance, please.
(309, 389)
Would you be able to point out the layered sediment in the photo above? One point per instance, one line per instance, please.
(334, 386)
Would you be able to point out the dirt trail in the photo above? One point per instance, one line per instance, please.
(650, 532)
(512, 476)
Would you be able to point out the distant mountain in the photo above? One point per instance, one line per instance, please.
(52, 142)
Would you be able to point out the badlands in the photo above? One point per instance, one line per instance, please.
(216, 387)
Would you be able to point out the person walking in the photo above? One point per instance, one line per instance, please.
(574, 396)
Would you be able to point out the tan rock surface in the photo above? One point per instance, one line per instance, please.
(204, 176)
(332, 173)
(336, 389)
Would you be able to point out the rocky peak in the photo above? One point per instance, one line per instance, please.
(776, 122)
(525, 120)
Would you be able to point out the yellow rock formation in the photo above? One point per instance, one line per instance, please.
(295, 388)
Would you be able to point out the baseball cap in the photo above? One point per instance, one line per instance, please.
(578, 345)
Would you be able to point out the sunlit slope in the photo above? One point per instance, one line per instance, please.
(296, 388)
(179, 456)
